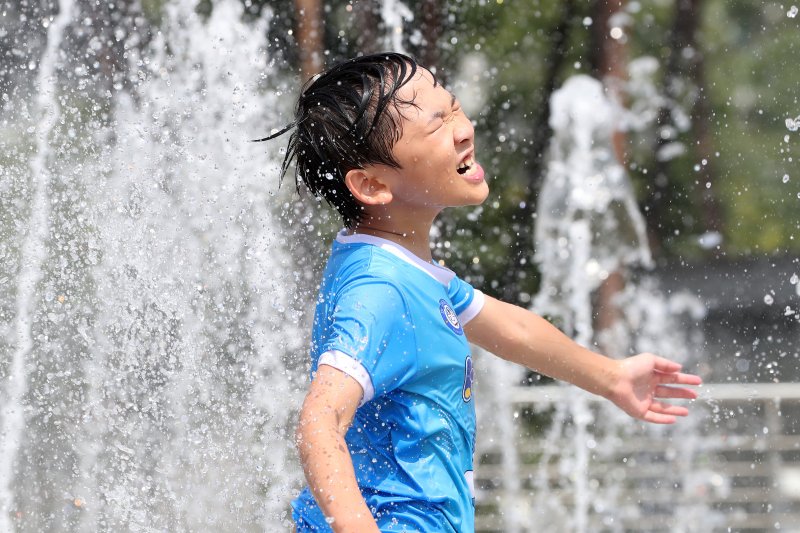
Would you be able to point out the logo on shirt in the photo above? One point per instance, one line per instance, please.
(469, 377)
(450, 317)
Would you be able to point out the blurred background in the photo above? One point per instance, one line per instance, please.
(156, 282)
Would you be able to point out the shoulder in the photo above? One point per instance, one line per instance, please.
(359, 264)
(362, 281)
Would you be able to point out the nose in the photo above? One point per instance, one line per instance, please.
(463, 130)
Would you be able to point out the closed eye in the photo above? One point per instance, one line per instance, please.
(455, 107)
(435, 125)
(440, 118)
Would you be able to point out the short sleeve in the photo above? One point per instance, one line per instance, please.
(370, 337)
(467, 301)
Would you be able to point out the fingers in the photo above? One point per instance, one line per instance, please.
(664, 413)
(665, 365)
(668, 409)
(671, 369)
(679, 378)
(656, 418)
(675, 392)
(689, 379)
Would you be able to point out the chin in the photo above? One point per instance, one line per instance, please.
(482, 195)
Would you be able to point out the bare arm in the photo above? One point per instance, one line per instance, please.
(634, 384)
(326, 415)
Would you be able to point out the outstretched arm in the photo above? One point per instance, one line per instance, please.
(326, 415)
(636, 384)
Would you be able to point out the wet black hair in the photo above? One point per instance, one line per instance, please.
(346, 118)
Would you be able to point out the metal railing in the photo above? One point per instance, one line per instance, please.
(734, 467)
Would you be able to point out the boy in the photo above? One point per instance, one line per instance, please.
(387, 430)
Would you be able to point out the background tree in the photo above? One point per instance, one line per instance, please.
(310, 35)
(684, 78)
(711, 78)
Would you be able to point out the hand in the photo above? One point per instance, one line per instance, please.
(645, 379)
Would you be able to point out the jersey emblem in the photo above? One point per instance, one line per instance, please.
(469, 377)
(450, 317)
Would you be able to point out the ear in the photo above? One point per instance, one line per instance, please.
(367, 187)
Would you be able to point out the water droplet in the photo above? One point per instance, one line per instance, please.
(792, 13)
(768, 299)
(786, 178)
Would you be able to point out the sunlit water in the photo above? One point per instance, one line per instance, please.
(32, 254)
(589, 228)
(146, 374)
(150, 360)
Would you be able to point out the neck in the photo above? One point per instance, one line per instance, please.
(414, 240)
(362, 227)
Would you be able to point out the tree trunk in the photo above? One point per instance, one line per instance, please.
(430, 15)
(685, 61)
(368, 20)
(710, 210)
(310, 31)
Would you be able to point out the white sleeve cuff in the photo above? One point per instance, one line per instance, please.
(473, 308)
(352, 368)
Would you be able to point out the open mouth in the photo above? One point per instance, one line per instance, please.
(466, 165)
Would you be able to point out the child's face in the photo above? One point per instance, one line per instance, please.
(437, 142)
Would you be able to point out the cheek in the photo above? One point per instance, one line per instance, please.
(426, 160)
(440, 151)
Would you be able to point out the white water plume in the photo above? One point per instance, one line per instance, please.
(165, 376)
(32, 255)
(589, 229)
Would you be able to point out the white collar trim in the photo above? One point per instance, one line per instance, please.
(439, 273)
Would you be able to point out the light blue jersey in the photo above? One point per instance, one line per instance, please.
(394, 323)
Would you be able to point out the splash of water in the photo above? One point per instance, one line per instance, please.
(32, 255)
(160, 387)
(496, 431)
(588, 228)
(395, 14)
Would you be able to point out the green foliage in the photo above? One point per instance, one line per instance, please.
(751, 52)
(152, 10)
(748, 50)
